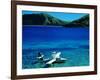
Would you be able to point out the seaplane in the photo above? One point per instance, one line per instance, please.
(56, 58)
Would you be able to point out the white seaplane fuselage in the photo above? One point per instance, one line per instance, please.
(56, 58)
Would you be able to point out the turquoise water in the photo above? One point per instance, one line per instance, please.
(73, 43)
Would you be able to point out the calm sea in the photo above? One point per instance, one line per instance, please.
(73, 43)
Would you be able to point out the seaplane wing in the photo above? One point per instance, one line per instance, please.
(51, 61)
(57, 55)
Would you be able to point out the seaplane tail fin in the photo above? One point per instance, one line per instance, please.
(57, 55)
(53, 55)
(40, 55)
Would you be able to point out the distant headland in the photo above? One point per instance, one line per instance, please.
(46, 20)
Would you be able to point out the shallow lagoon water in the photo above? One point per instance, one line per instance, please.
(73, 43)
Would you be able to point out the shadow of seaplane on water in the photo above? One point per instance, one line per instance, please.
(56, 59)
